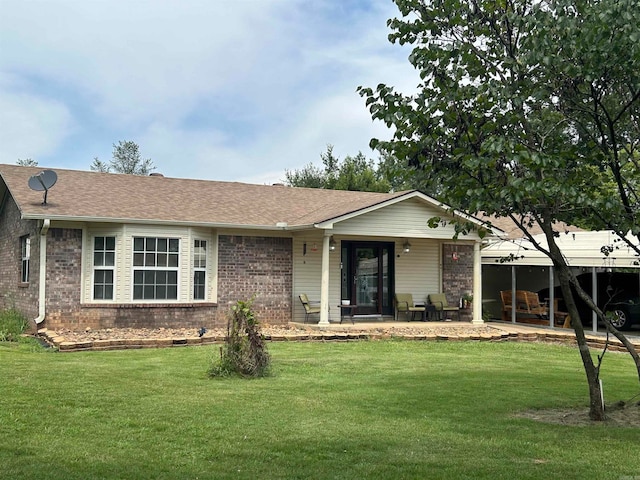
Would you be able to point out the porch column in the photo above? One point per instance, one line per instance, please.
(552, 298)
(513, 294)
(477, 284)
(324, 284)
(594, 295)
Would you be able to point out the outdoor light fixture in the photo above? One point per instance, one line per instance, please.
(332, 244)
(406, 246)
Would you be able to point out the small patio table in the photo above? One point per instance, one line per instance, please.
(347, 311)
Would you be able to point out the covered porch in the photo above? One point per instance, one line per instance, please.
(366, 257)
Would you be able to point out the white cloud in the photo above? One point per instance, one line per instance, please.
(30, 125)
(226, 90)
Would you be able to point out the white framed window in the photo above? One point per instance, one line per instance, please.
(199, 269)
(155, 268)
(25, 258)
(104, 261)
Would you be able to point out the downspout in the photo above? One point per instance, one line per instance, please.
(43, 272)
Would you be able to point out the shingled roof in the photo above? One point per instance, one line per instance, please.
(109, 197)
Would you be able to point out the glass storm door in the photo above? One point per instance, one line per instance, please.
(368, 275)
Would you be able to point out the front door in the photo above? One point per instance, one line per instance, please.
(367, 276)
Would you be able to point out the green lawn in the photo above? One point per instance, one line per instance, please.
(362, 410)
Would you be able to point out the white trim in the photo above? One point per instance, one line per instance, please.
(156, 268)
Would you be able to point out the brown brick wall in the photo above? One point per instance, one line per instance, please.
(64, 267)
(24, 297)
(134, 316)
(247, 266)
(457, 275)
(260, 266)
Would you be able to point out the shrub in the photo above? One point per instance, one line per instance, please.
(12, 325)
(244, 353)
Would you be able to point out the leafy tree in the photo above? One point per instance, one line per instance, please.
(527, 109)
(402, 176)
(126, 159)
(27, 162)
(354, 173)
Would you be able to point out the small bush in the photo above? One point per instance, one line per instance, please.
(244, 353)
(12, 325)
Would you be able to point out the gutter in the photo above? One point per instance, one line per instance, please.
(43, 272)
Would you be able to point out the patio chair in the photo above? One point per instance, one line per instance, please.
(439, 300)
(404, 304)
(309, 307)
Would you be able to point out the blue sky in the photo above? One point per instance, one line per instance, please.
(237, 90)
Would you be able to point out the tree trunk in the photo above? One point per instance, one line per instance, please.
(596, 403)
(619, 335)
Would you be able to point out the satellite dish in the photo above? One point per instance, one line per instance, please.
(42, 182)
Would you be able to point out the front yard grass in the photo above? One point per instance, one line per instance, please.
(375, 410)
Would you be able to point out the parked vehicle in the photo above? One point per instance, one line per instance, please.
(618, 295)
(625, 313)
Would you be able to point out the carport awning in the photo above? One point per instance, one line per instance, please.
(581, 249)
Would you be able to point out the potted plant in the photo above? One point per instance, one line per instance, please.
(467, 300)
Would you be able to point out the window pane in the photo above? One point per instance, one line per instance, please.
(198, 285)
(98, 243)
(173, 261)
(161, 292)
(108, 292)
(150, 260)
(138, 244)
(108, 276)
(172, 292)
(148, 292)
(162, 259)
(137, 277)
(172, 278)
(98, 292)
(137, 292)
(150, 244)
(149, 278)
(110, 243)
(162, 245)
(174, 244)
(98, 259)
(110, 259)
(138, 259)
(99, 276)
(161, 277)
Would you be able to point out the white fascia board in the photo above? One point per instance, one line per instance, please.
(137, 221)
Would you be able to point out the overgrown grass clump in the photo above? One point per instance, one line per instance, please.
(244, 353)
(12, 325)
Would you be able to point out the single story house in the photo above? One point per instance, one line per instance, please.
(114, 250)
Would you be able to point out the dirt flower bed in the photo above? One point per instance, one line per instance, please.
(267, 330)
(617, 415)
